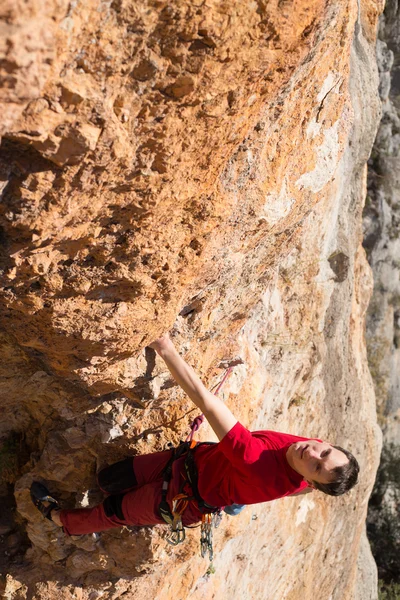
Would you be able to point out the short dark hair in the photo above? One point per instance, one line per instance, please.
(345, 476)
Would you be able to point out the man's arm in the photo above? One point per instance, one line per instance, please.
(217, 414)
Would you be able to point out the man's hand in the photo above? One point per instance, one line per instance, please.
(162, 343)
(217, 414)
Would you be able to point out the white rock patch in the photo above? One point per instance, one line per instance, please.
(277, 207)
(306, 505)
(327, 160)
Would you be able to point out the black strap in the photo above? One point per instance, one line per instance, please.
(163, 507)
(193, 478)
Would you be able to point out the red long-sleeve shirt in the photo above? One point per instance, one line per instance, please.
(247, 468)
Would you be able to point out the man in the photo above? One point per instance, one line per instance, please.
(243, 468)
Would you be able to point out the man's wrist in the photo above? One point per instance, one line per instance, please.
(166, 348)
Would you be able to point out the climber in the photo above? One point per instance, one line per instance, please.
(243, 468)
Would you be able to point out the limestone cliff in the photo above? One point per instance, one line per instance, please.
(199, 167)
(381, 225)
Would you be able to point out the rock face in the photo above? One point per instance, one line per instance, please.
(382, 225)
(201, 168)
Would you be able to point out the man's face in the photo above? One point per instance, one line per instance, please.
(315, 460)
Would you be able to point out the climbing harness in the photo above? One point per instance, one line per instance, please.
(212, 515)
(181, 501)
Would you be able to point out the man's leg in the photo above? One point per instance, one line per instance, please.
(118, 477)
(138, 507)
(132, 472)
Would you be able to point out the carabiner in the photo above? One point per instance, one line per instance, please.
(177, 536)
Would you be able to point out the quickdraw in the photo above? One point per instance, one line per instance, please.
(208, 521)
(212, 516)
(177, 533)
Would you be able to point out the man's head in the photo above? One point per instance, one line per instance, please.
(327, 468)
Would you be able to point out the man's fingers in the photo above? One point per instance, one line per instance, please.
(160, 342)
